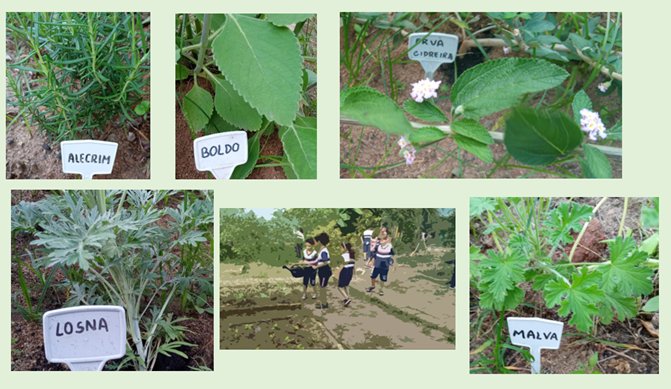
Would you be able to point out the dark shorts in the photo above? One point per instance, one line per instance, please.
(309, 276)
(382, 272)
(345, 276)
(324, 274)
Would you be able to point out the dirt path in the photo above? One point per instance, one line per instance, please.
(414, 313)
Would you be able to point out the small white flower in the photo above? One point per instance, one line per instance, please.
(526, 48)
(592, 124)
(506, 50)
(424, 89)
(602, 87)
(402, 142)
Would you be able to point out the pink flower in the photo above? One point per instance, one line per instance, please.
(424, 89)
(506, 50)
(402, 142)
(409, 155)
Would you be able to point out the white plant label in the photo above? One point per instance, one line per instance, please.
(433, 50)
(220, 153)
(86, 337)
(536, 334)
(88, 157)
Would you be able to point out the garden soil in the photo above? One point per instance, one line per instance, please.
(264, 303)
(641, 353)
(36, 156)
(28, 348)
(374, 140)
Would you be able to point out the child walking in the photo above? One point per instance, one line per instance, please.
(345, 276)
(310, 271)
(366, 241)
(383, 260)
(323, 268)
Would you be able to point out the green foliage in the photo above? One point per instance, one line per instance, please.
(589, 367)
(499, 84)
(425, 110)
(565, 219)
(89, 69)
(539, 139)
(426, 134)
(114, 252)
(371, 108)
(259, 71)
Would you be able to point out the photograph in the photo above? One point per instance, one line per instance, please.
(481, 95)
(137, 261)
(337, 278)
(246, 96)
(577, 276)
(77, 81)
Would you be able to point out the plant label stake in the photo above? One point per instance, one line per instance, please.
(88, 157)
(433, 50)
(220, 153)
(86, 337)
(536, 334)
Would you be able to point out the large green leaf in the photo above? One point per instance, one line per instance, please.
(496, 85)
(263, 63)
(474, 147)
(478, 205)
(626, 270)
(300, 148)
(597, 163)
(472, 129)
(425, 110)
(232, 107)
(624, 306)
(426, 134)
(615, 132)
(540, 138)
(371, 108)
(578, 298)
(242, 171)
(286, 19)
(197, 107)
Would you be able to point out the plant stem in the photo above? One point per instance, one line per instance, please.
(582, 232)
(624, 216)
(203, 43)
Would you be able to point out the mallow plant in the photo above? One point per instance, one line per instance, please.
(131, 249)
(262, 69)
(562, 126)
(536, 240)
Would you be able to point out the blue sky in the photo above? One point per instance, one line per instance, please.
(266, 213)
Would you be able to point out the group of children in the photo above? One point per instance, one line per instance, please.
(316, 261)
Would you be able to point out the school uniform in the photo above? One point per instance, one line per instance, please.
(345, 276)
(310, 273)
(324, 269)
(367, 239)
(383, 259)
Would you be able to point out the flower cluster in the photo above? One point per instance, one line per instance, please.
(424, 89)
(408, 151)
(591, 123)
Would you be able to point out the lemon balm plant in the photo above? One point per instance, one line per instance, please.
(132, 249)
(261, 69)
(535, 243)
(79, 72)
(557, 57)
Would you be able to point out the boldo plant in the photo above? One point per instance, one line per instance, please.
(78, 71)
(121, 248)
(255, 65)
